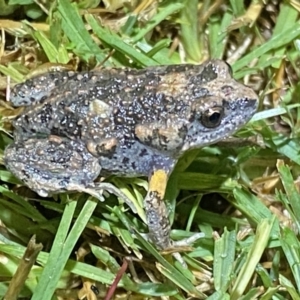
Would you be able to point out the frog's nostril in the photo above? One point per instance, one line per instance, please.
(249, 103)
(227, 90)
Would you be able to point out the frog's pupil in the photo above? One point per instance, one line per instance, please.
(215, 118)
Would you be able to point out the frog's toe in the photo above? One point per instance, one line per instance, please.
(188, 241)
(183, 244)
(175, 247)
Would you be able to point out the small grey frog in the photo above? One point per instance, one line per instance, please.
(125, 122)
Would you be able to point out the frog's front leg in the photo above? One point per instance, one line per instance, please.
(156, 211)
(167, 139)
(157, 216)
(164, 137)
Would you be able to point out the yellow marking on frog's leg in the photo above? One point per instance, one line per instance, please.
(158, 182)
(156, 211)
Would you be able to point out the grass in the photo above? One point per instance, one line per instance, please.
(251, 248)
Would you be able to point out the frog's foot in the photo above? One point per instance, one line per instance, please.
(187, 242)
(184, 244)
(157, 217)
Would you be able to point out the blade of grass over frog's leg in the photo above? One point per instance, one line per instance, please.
(62, 247)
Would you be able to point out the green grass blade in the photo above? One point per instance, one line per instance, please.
(277, 41)
(224, 253)
(74, 28)
(254, 256)
(118, 44)
(62, 247)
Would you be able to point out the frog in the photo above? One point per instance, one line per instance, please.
(78, 126)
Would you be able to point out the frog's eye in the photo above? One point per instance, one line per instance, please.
(212, 117)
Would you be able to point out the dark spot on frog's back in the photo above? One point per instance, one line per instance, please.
(143, 152)
(152, 77)
(176, 69)
(53, 77)
(68, 126)
(125, 160)
(208, 73)
(26, 119)
(199, 92)
(42, 100)
(62, 104)
(46, 113)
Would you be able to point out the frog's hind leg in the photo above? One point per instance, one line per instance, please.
(54, 165)
(51, 165)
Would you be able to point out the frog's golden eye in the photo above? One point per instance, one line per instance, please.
(212, 117)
